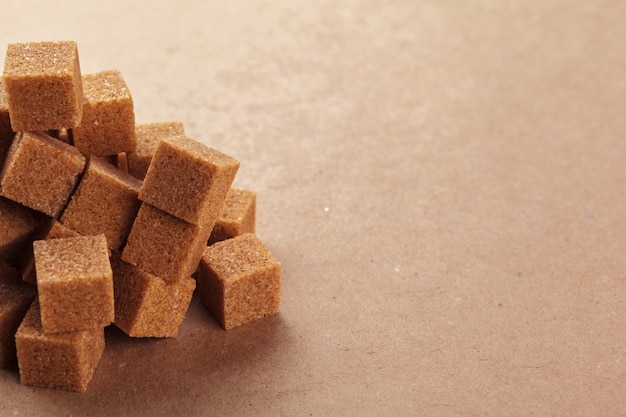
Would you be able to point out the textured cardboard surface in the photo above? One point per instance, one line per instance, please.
(442, 181)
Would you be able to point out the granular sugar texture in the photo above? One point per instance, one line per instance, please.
(43, 85)
(106, 221)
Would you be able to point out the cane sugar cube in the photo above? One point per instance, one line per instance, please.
(147, 305)
(6, 133)
(43, 85)
(148, 137)
(239, 280)
(188, 180)
(51, 229)
(41, 172)
(64, 361)
(15, 298)
(237, 216)
(108, 123)
(105, 201)
(17, 226)
(164, 245)
(74, 282)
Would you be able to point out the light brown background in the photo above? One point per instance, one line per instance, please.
(442, 180)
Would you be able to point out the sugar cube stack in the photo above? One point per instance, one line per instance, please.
(106, 221)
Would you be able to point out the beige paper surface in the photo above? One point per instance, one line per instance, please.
(442, 181)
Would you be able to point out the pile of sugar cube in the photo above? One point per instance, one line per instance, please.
(104, 221)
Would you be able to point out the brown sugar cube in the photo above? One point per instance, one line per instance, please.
(148, 137)
(237, 216)
(41, 172)
(52, 229)
(75, 283)
(105, 201)
(6, 133)
(108, 123)
(43, 85)
(17, 226)
(188, 180)
(65, 361)
(164, 245)
(239, 280)
(15, 298)
(146, 305)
